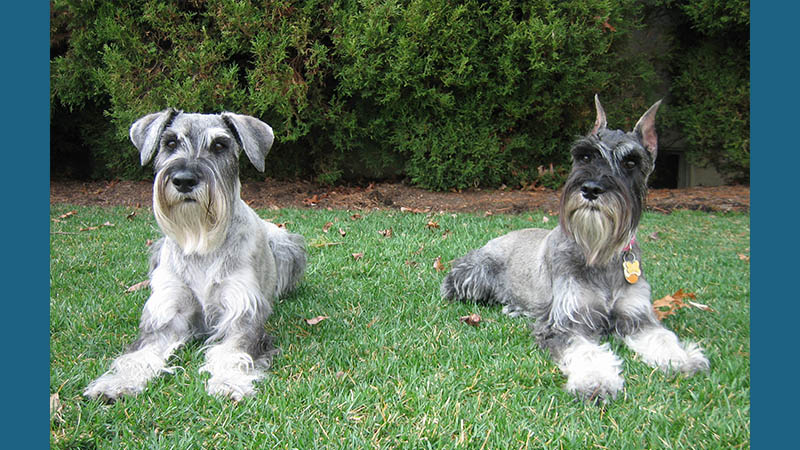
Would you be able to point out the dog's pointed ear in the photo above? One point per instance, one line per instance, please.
(253, 135)
(146, 132)
(645, 129)
(600, 123)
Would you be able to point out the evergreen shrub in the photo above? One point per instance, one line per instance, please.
(448, 94)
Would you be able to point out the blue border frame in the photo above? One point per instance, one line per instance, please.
(773, 299)
(25, 263)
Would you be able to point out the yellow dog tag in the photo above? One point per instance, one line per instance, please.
(631, 270)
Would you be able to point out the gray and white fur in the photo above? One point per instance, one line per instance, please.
(219, 267)
(570, 280)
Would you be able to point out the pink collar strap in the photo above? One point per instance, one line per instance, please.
(630, 244)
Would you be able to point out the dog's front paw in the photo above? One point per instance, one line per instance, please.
(235, 387)
(661, 348)
(598, 386)
(694, 361)
(111, 386)
(593, 371)
(232, 371)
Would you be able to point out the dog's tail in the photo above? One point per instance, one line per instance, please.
(289, 250)
(478, 277)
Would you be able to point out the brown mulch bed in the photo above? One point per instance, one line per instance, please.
(303, 194)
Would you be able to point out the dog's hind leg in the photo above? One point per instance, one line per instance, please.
(289, 250)
(169, 319)
(477, 276)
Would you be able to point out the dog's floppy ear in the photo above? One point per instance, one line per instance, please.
(146, 132)
(645, 129)
(253, 135)
(600, 123)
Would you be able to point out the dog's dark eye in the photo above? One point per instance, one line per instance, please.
(171, 143)
(218, 146)
(585, 157)
(629, 164)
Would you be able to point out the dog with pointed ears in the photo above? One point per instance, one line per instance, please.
(583, 280)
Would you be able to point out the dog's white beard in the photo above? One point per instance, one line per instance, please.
(597, 229)
(196, 226)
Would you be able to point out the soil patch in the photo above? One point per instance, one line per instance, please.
(304, 194)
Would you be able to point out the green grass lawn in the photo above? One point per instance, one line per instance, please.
(393, 366)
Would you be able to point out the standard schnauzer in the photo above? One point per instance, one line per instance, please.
(582, 280)
(219, 268)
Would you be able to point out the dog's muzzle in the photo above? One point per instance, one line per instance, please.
(591, 190)
(185, 180)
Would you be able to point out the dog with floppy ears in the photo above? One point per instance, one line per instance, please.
(583, 280)
(219, 267)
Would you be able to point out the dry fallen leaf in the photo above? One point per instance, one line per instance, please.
(414, 210)
(473, 319)
(743, 257)
(654, 236)
(327, 227)
(148, 243)
(342, 232)
(666, 306)
(432, 225)
(139, 286)
(107, 224)
(545, 219)
(437, 264)
(358, 256)
(386, 233)
(700, 306)
(315, 320)
(67, 215)
(56, 407)
(131, 215)
(311, 201)
(355, 216)
(670, 304)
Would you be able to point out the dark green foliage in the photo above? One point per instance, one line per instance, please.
(710, 91)
(142, 56)
(449, 94)
(713, 94)
(478, 93)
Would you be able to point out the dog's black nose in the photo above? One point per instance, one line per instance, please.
(591, 190)
(184, 181)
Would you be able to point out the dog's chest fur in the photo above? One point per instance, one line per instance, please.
(243, 258)
(539, 263)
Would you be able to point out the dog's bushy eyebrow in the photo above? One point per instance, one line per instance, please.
(624, 149)
(168, 134)
(584, 145)
(628, 150)
(217, 134)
